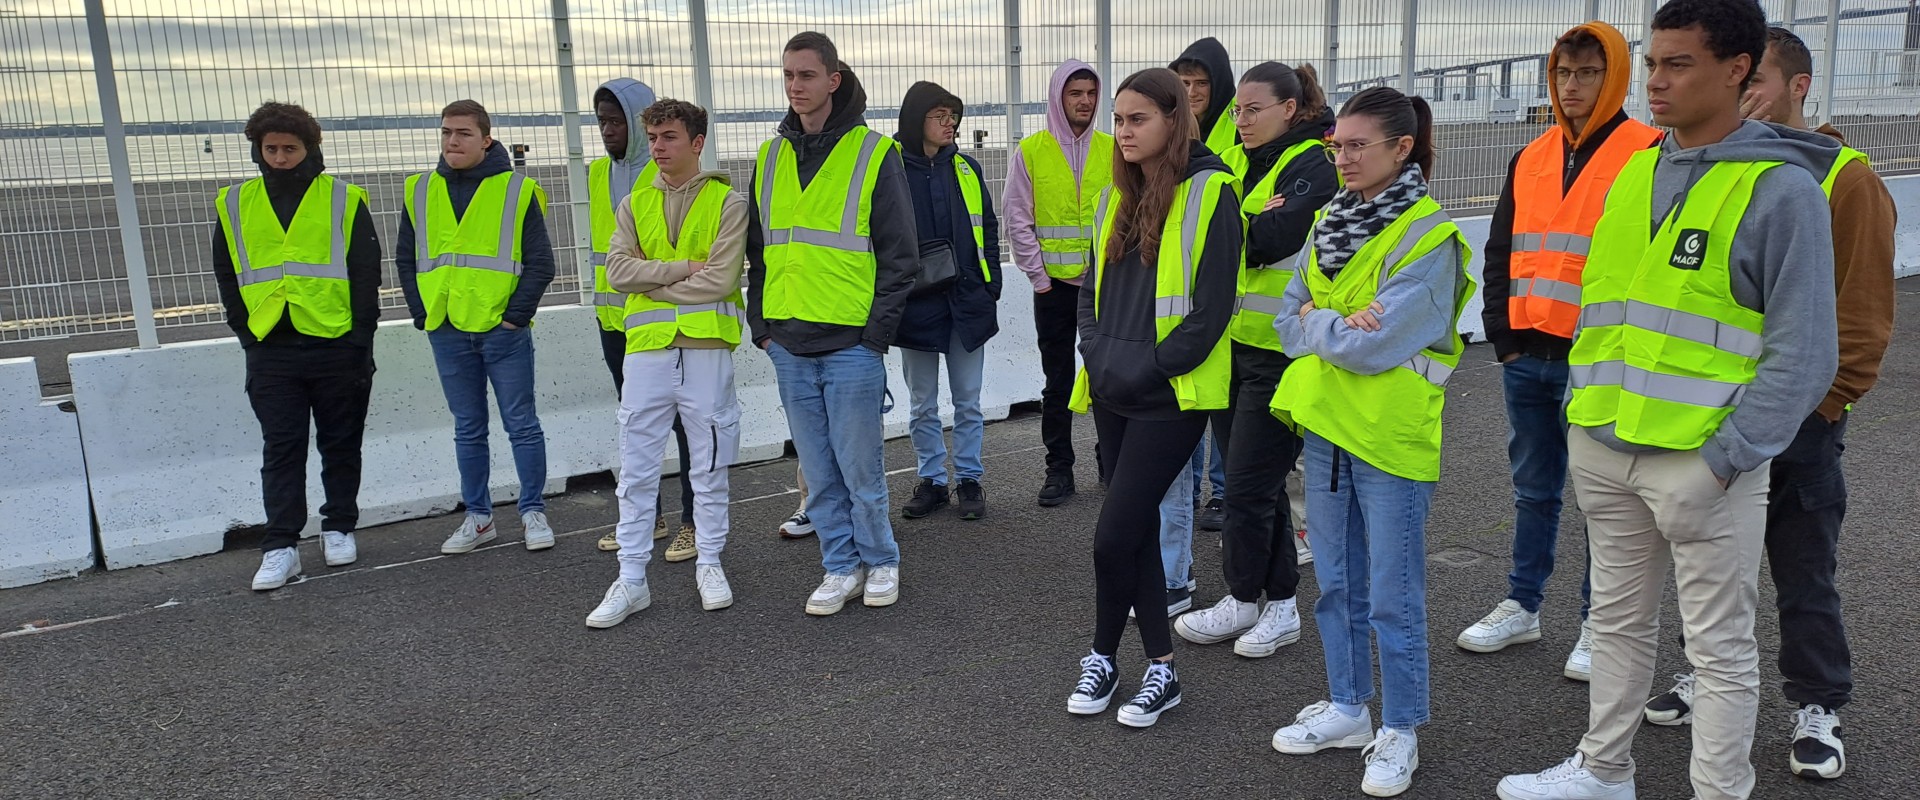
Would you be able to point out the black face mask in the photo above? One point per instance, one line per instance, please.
(297, 177)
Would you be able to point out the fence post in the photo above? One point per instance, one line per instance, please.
(1409, 21)
(126, 211)
(1332, 82)
(1640, 64)
(578, 203)
(1792, 22)
(1013, 75)
(1593, 10)
(1830, 69)
(702, 72)
(1103, 42)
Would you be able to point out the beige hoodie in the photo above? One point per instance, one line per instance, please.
(675, 281)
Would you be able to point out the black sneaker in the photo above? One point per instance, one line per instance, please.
(926, 497)
(1212, 516)
(972, 499)
(1057, 489)
(1179, 601)
(1098, 679)
(1675, 706)
(1159, 691)
(1817, 749)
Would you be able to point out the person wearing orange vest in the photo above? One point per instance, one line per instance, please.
(297, 259)
(1536, 247)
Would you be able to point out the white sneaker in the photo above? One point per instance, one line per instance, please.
(1225, 620)
(1391, 757)
(1817, 751)
(622, 600)
(277, 567)
(1570, 780)
(1507, 624)
(339, 548)
(1675, 706)
(883, 586)
(474, 531)
(1278, 626)
(1304, 550)
(715, 594)
(798, 526)
(1321, 726)
(835, 591)
(1580, 662)
(539, 533)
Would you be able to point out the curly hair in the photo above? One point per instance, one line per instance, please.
(1732, 27)
(667, 109)
(275, 117)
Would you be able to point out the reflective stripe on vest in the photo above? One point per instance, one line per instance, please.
(1390, 420)
(277, 270)
(655, 324)
(1262, 285)
(1063, 203)
(1847, 156)
(819, 259)
(451, 253)
(608, 304)
(1664, 351)
(1553, 228)
(970, 192)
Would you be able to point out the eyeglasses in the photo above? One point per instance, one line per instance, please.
(1584, 76)
(1249, 112)
(943, 118)
(1352, 152)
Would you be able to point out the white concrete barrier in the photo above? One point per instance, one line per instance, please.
(45, 530)
(1906, 197)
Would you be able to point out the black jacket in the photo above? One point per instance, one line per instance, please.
(536, 249)
(940, 214)
(890, 219)
(285, 189)
(1211, 55)
(1307, 183)
(1495, 285)
(1127, 371)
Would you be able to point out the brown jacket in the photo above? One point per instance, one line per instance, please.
(675, 281)
(1863, 223)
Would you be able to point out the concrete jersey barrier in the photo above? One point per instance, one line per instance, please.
(45, 532)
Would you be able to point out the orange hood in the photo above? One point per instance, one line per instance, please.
(1613, 88)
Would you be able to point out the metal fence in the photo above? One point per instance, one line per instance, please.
(117, 109)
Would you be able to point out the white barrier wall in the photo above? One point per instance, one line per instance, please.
(45, 532)
(1906, 198)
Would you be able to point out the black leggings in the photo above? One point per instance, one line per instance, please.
(1142, 457)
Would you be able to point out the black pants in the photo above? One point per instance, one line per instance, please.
(1143, 457)
(1257, 546)
(1805, 506)
(288, 387)
(613, 348)
(1057, 325)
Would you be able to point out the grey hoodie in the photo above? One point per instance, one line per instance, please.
(633, 97)
(1783, 267)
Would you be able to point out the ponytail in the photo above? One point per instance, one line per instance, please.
(1398, 115)
(1313, 99)
(1423, 149)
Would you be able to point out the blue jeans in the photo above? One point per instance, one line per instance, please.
(1216, 471)
(1368, 531)
(965, 371)
(1536, 391)
(1176, 529)
(467, 362)
(833, 406)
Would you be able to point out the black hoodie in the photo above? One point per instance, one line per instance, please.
(285, 189)
(536, 249)
(1128, 372)
(1211, 55)
(1308, 182)
(896, 247)
(967, 307)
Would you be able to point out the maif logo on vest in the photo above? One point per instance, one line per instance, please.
(1690, 249)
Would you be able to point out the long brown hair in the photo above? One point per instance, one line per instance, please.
(1146, 189)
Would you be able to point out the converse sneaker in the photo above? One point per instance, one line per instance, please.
(883, 586)
(1225, 620)
(835, 591)
(1579, 664)
(340, 548)
(1569, 780)
(623, 599)
(1159, 691)
(683, 546)
(926, 497)
(277, 567)
(1321, 726)
(1277, 627)
(1391, 758)
(1098, 679)
(539, 533)
(1817, 749)
(1302, 550)
(1507, 624)
(474, 531)
(1676, 706)
(715, 594)
(798, 526)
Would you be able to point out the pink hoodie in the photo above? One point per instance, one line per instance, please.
(1017, 206)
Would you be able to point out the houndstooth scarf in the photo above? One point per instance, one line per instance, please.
(1350, 221)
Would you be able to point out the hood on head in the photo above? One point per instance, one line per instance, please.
(493, 163)
(1057, 123)
(1613, 88)
(1211, 55)
(922, 98)
(633, 98)
(849, 108)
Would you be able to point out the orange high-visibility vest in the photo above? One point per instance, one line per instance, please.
(1552, 230)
